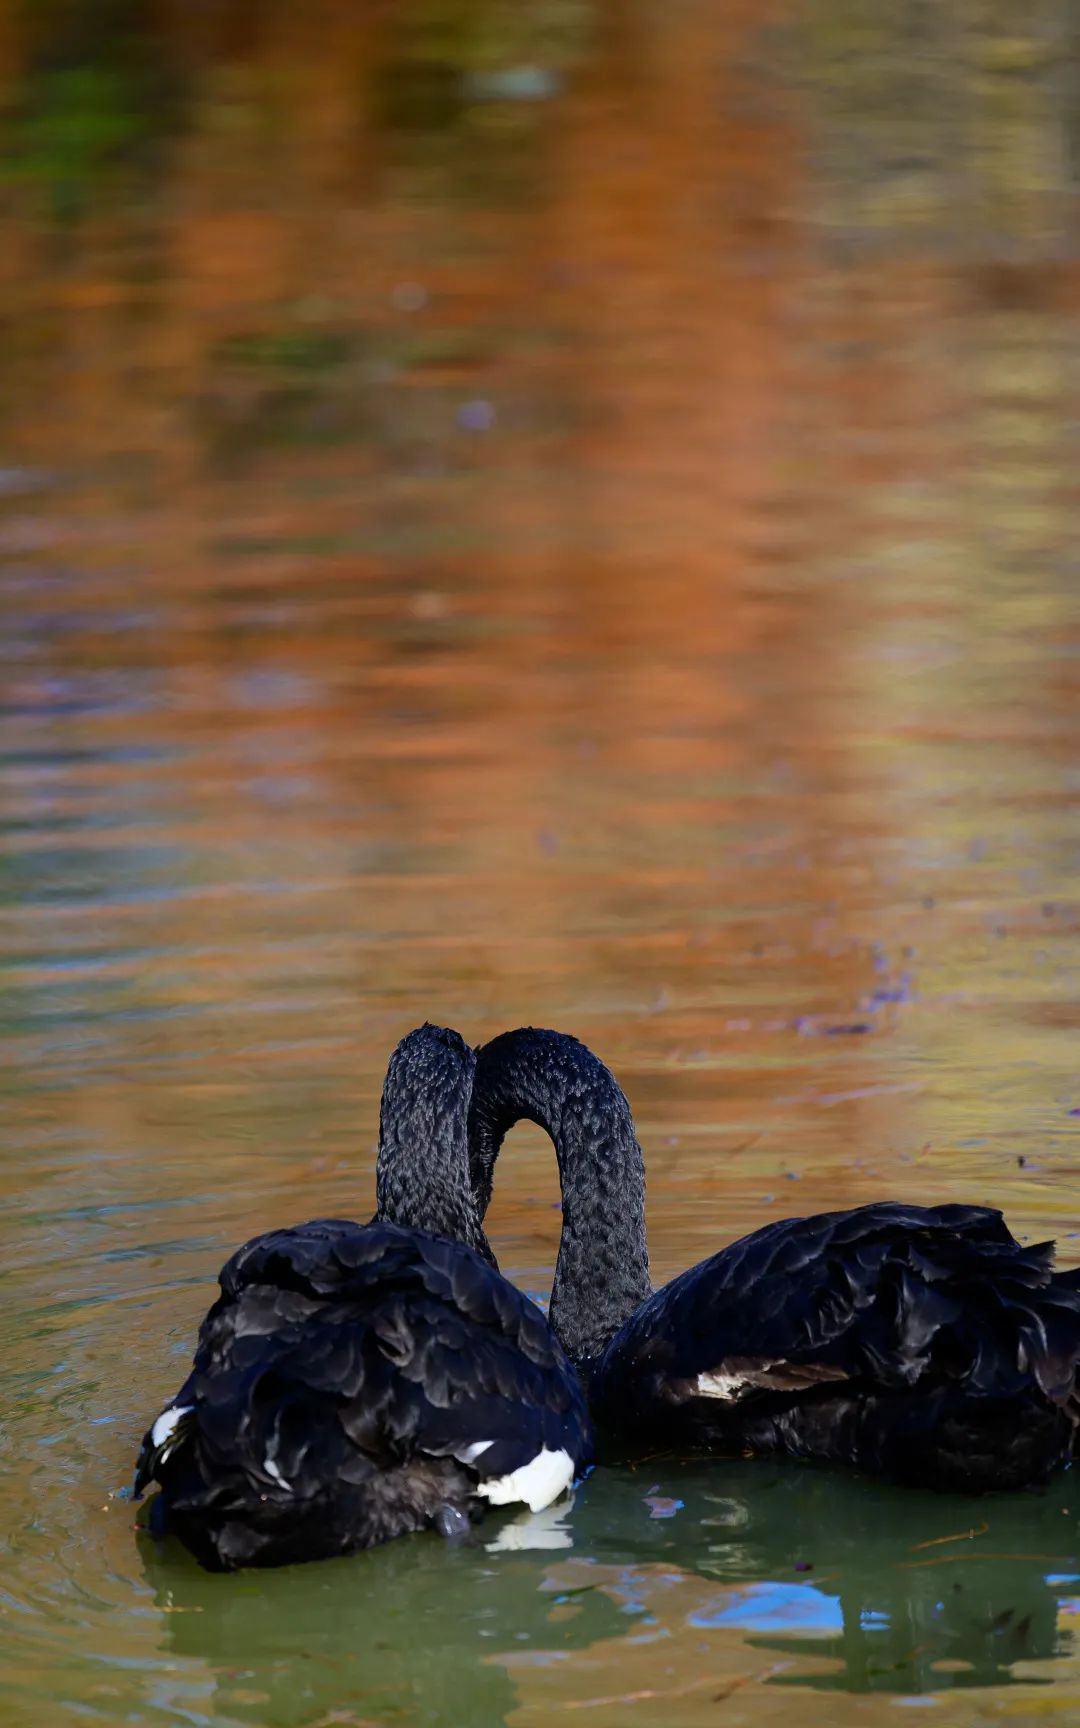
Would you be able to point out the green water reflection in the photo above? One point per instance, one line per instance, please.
(898, 1593)
(550, 513)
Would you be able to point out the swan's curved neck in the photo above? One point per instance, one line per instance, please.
(602, 1273)
(422, 1178)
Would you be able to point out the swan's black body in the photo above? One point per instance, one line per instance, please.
(348, 1375)
(922, 1343)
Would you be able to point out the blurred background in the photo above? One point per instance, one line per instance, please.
(564, 512)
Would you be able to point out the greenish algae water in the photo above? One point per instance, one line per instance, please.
(595, 547)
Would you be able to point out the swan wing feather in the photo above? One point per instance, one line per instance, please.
(336, 1352)
(887, 1295)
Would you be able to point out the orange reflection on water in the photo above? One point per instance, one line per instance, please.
(605, 560)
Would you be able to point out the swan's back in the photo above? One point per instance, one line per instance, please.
(924, 1342)
(353, 1382)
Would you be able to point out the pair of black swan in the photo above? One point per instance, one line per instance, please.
(353, 1383)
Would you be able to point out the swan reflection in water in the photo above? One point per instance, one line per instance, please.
(412, 1631)
(898, 1591)
(905, 1592)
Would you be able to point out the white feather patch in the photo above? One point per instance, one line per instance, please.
(739, 1374)
(469, 1454)
(537, 1483)
(720, 1385)
(272, 1470)
(167, 1422)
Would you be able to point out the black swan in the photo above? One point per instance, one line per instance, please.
(355, 1382)
(922, 1343)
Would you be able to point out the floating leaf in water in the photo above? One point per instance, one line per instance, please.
(662, 1505)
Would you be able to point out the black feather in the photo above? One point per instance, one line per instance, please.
(924, 1343)
(344, 1367)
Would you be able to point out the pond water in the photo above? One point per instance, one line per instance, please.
(561, 514)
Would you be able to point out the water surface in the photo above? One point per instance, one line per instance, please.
(596, 550)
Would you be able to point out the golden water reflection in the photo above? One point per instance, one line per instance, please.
(596, 550)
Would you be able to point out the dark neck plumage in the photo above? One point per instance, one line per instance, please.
(422, 1176)
(602, 1273)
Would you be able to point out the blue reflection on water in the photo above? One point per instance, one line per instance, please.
(775, 1607)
